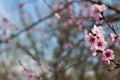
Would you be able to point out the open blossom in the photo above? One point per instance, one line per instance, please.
(90, 39)
(100, 45)
(117, 42)
(105, 60)
(97, 30)
(115, 39)
(96, 11)
(95, 40)
(108, 54)
(98, 8)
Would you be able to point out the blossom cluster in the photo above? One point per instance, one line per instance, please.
(96, 41)
(96, 11)
(115, 39)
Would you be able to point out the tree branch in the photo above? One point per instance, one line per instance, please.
(35, 23)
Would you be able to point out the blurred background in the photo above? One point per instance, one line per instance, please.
(44, 40)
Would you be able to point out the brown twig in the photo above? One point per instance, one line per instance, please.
(35, 23)
(111, 27)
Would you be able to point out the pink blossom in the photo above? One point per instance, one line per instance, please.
(7, 25)
(100, 45)
(57, 6)
(108, 54)
(85, 31)
(90, 39)
(42, 68)
(9, 41)
(97, 30)
(115, 39)
(69, 46)
(117, 42)
(96, 11)
(80, 27)
(105, 60)
(113, 36)
(98, 8)
(5, 20)
(57, 15)
(30, 76)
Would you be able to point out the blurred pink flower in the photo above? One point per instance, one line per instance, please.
(98, 8)
(5, 20)
(105, 60)
(80, 27)
(115, 39)
(30, 76)
(57, 15)
(108, 54)
(69, 46)
(42, 68)
(113, 36)
(7, 25)
(117, 42)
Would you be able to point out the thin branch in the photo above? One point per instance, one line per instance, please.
(49, 6)
(25, 69)
(35, 23)
(111, 27)
(29, 53)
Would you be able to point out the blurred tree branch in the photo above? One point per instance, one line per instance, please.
(51, 15)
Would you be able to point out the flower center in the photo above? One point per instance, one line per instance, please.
(107, 54)
(92, 39)
(100, 44)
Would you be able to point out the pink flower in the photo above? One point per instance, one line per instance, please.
(5, 20)
(57, 15)
(115, 39)
(96, 11)
(100, 45)
(97, 30)
(90, 39)
(117, 42)
(113, 36)
(108, 54)
(98, 8)
(30, 76)
(105, 60)
(94, 53)
(42, 68)
(69, 46)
